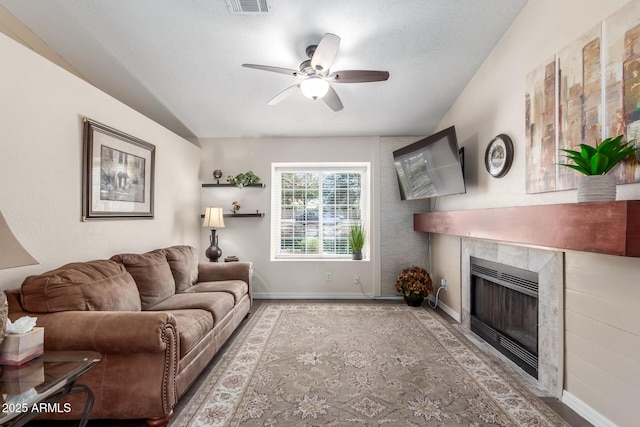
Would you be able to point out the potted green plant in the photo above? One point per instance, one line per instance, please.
(594, 163)
(415, 284)
(357, 235)
(243, 179)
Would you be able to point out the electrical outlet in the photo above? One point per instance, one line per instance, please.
(328, 276)
(443, 283)
(356, 279)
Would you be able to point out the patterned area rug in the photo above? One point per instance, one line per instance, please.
(340, 364)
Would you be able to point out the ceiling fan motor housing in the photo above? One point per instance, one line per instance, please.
(310, 50)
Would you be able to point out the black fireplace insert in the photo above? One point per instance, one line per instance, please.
(504, 310)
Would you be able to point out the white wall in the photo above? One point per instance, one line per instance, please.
(602, 356)
(248, 238)
(41, 111)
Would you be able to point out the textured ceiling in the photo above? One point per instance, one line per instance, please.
(179, 62)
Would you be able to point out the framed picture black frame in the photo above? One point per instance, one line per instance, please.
(117, 174)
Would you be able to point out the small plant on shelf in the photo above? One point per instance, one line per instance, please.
(243, 179)
(599, 160)
(596, 184)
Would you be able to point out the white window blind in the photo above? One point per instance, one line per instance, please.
(314, 206)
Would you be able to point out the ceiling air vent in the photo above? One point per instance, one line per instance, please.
(247, 7)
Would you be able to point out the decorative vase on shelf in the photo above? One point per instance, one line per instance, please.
(414, 300)
(596, 188)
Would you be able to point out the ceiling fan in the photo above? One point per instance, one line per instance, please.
(316, 76)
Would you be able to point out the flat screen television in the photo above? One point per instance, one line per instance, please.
(430, 167)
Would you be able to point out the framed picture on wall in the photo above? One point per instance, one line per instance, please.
(118, 174)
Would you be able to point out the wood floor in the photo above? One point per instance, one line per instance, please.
(561, 409)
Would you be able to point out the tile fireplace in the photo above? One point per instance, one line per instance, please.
(535, 291)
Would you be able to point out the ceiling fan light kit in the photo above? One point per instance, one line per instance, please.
(316, 77)
(314, 87)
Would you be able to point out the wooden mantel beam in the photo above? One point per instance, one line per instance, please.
(601, 227)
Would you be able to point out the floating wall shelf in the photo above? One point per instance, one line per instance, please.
(260, 185)
(243, 215)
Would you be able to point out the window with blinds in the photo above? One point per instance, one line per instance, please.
(314, 206)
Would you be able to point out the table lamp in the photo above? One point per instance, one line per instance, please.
(12, 254)
(213, 218)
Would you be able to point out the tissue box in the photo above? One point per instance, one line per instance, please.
(20, 348)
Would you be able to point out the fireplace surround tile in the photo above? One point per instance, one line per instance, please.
(549, 265)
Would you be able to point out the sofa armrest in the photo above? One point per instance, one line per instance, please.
(214, 271)
(109, 332)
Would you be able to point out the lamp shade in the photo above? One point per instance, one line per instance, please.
(213, 218)
(12, 254)
(314, 87)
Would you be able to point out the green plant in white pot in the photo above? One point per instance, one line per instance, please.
(594, 163)
(357, 235)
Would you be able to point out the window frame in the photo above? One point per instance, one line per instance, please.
(364, 168)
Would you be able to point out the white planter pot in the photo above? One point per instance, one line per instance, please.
(596, 188)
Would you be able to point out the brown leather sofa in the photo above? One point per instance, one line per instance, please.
(157, 319)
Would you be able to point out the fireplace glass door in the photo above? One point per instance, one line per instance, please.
(504, 311)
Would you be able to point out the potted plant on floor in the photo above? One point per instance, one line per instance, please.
(357, 234)
(415, 284)
(594, 163)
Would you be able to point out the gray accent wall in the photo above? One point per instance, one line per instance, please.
(400, 246)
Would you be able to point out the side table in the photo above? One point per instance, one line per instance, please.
(37, 386)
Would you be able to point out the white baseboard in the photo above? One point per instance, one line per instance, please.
(450, 311)
(359, 295)
(585, 411)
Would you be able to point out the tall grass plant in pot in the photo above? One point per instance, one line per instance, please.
(594, 163)
(357, 235)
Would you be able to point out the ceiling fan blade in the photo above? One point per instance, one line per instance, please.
(325, 52)
(332, 100)
(358, 76)
(272, 69)
(284, 94)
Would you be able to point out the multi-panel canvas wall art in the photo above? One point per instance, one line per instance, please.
(589, 91)
(622, 81)
(540, 119)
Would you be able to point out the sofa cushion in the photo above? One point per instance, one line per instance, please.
(192, 326)
(183, 261)
(219, 304)
(237, 288)
(100, 285)
(152, 275)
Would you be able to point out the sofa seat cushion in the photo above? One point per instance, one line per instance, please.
(237, 288)
(152, 275)
(100, 285)
(192, 326)
(183, 261)
(219, 304)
